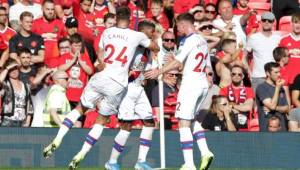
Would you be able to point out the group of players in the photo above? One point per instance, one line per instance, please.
(121, 50)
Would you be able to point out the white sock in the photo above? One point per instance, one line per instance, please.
(68, 122)
(145, 143)
(91, 138)
(118, 147)
(200, 138)
(186, 140)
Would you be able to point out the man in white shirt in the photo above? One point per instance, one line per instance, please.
(25, 5)
(261, 45)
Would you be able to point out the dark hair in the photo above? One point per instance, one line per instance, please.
(296, 17)
(215, 100)
(123, 13)
(25, 14)
(211, 4)
(145, 24)
(108, 15)
(23, 50)
(160, 2)
(279, 53)
(47, 1)
(237, 66)
(85, 0)
(77, 38)
(270, 65)
(185, 17)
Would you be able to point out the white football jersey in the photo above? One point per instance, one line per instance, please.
(193, 53)
(119, 46)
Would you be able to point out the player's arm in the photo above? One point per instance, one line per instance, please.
(154, 47)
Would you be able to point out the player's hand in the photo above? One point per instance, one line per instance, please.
(280, 82)
(151, 74)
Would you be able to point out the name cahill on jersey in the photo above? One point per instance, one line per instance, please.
(117, 36)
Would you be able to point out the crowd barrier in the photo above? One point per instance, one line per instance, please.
(21, 147)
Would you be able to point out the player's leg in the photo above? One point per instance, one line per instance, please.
(119, 144)
(67, 124)
(184, 113)
(144, 111)
(199, 134)
(112, 94)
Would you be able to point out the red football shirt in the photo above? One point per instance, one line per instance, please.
(137, 15)
(51, 32)
(99, 14)
(5, 36)
(97, 39)
(293, 45)
(77, 77)
(161, 19)
(236, 91)
(86, 25)
(182, 6)
(252, 22)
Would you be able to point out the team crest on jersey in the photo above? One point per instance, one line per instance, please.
(33, 44)
(20, 44)
(55, 30)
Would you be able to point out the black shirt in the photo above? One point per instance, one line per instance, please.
(34, 43)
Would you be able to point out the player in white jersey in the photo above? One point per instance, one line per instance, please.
(193, 54)
(135, 105)
(116, 49)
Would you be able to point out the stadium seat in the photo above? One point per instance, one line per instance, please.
(260, 7)
(253, 124)
(285, 24)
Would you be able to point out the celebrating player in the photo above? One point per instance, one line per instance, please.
(192, 52)
(135, 105)
(116, 50)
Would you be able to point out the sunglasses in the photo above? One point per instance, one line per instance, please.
(267, 20)
(237, 74)
(198, 11)
(224, 104)
(209, 74)
(210, 12)
(63, 78)
(168, 40)
(205, 27)
(173, 74)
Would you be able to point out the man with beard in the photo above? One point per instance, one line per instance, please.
(51, 29)
(262, 53)
(271, 98)
(241, 98)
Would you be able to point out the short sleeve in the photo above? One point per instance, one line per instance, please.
(144, 40)
(13, 45)
(262, 92)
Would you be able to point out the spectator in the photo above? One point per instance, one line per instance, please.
(219, 117)
(51, 29)
(167, 48)
(5, 34)
(241, 98)
(26, 38)
(67, 10)
(282, 8)
(262, 53)
(205, 29)
(232, 22)
(295, 88)
(170, 89)
(64, 46)
(72, 28)
(17, 104)
(198, 12)
(157, 14)
(86, 21)
(17, 9)
(271, 98)
(292, 41)
(213, 90)
(78, 66)
(57, 104)
(294, 120)
(281, 56)
(274, 124)
(242, 9)
(182, 6)
(100, 8)
(228, 57)
(210, 11)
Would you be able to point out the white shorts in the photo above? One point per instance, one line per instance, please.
(190, 97)
(105, 90)
(135, 105)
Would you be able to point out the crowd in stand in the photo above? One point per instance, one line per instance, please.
(49, 50)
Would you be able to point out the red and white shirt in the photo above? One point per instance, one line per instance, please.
(5, 36)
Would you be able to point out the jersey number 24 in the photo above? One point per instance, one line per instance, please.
(111, 56)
